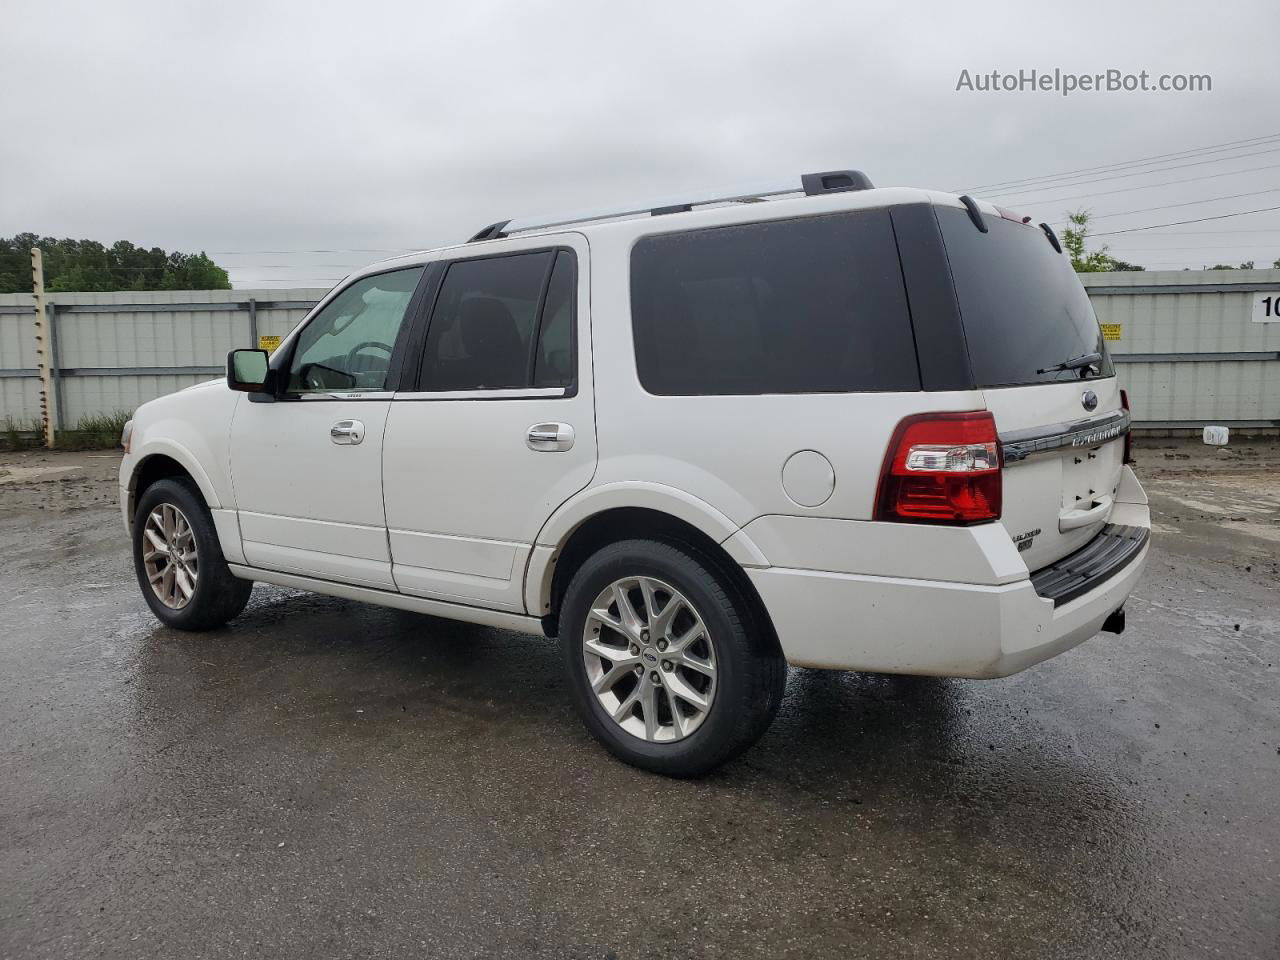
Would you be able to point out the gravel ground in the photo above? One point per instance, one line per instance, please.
(322, 778)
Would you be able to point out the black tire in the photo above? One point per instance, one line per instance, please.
(751, 672)
(218, 595)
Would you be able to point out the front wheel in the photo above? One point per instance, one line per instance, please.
(670, 667)
(178, 560)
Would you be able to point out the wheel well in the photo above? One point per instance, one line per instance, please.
(153, 468)
(638, 523)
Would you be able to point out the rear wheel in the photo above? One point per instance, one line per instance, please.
(178, 560)
(670, 667)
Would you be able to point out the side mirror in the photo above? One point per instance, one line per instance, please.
(249, 371)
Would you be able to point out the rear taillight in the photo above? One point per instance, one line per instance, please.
(1128, 434)
(942, 468)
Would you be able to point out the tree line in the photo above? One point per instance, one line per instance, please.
(87, 265)
(1100, 260)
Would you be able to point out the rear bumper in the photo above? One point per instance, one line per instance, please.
(939, 628)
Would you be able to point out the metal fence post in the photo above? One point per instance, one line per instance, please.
(55, 365)
(253, 322)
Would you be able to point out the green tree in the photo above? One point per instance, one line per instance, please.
(1084, 260)
(86, 265)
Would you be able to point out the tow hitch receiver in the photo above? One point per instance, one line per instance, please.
(1115, 622)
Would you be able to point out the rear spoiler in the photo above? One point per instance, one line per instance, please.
(971, 207)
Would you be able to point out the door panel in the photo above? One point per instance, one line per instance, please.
(429, 575)
(466, 492)
(307, 468)
(307, 504)
(466, 556)
(466, 496)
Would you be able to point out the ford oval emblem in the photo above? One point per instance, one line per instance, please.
(1089, 400)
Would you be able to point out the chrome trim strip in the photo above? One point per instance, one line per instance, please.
(1017, 445)
(505, 393)
(315, 396)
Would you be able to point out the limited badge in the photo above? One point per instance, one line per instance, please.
(1023, 541)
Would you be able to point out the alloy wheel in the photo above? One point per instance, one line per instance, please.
(169, 556)
(650, 660)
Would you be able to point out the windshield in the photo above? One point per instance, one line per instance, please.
(1023, 308)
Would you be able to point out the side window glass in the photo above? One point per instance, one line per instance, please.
(347, 346)
(554, 362)
(812, 305)
(484, 322)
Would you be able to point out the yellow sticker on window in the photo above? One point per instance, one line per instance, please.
(1110, 331)
(270, 343)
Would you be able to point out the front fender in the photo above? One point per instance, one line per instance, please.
(163, 446)
(193, 427)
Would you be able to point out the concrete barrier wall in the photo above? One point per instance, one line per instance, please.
(1186, 344)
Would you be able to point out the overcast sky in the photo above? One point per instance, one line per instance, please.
(242, 127)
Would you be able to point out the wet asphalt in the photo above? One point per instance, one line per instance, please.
(327, 779)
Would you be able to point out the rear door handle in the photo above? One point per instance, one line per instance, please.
(549, 437)
(347, 432)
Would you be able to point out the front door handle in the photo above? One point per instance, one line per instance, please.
(549, 437)
(347, 432)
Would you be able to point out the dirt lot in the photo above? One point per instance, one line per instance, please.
(325, 779)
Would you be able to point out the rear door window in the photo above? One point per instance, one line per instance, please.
(1023, 308)
(484, 330)
(553, 361)
(813, 305)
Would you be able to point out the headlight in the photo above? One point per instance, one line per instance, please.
(126, 435)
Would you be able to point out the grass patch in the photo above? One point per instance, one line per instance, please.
(112, 423)
(99, 431)
(20, 434)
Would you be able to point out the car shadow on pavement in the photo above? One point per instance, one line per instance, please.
(838, 735)
(359, 728)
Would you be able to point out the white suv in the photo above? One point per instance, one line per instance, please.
(847, 428)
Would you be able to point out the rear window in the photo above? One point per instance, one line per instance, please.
(1021, 304)
(795, 306)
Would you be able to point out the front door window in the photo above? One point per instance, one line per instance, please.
(347, 346)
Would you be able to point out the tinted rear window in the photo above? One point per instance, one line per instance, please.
(1021, 304)
(483, 323)
(795, 306)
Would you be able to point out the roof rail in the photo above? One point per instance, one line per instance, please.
(811, 184)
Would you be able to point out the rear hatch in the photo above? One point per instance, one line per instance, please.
(1039, 358)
